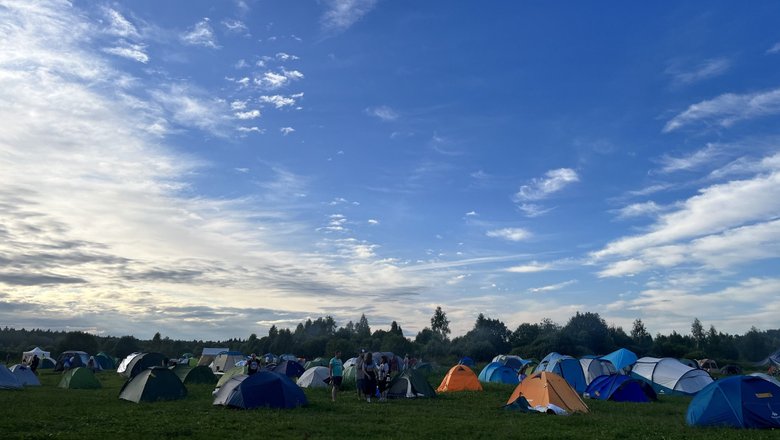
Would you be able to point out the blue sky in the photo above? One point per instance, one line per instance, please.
(208, 170)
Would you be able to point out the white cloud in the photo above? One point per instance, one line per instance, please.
(472, 214)
(372, 221)
(623, 268)
(190, 107)
(341, 14)
(251, 114)
(552, 182)
(640, 210)
(698, 158)
(201, 35)
(530, 268)
(235, 26)
(383, 112)
(727, 109)
(119, 25)
(238, 105)
(707, 69)
(286, 130)
(533, 210)
(274, 80)
(131, 51)
(282, 56)
(250, 130)
(774, 49)
(511, 234)
(552, 287)
(279, 101)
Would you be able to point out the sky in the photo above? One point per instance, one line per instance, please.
(210, 169)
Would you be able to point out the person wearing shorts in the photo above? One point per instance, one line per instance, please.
(336, 374)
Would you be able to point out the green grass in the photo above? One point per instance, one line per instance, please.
(52, 412)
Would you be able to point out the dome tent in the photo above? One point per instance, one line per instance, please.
(201, 374)
(7, 379)
(593, 368)
(669, 376)
(620, 358)
(25, 375)
(498, 373)
(153, 384)
(80, 378)
(410, 383)
(620, 388)
(548, 391)
(143, 361)
(566, 367)
(314, 377)
(736, 401)
(262, 389)
(459, 378)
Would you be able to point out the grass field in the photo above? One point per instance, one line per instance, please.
(52, 412)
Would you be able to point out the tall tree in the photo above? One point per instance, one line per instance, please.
(440, 324)
(362, 329)
(697, 331)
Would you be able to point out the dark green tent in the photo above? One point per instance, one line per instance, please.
(105, 361)
(152, 384)
(316, 362)
(410, 383)
(144, 361)
(79, 378)
(202, 374)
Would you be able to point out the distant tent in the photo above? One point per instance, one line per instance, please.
(25, 375)
(122, 367)
(620, 388)
(593, 368)
(105, 361)
(270, 358)
(565, 366)
(208, 355)
(467, 361)
(767, 378)
(410, 383)
(288, 357)
(153, 384)
(620, 358)
(289, 368)
(707, 364)
(459, 378)
(737, 401)
(226, 360)
(262, 389)
(349, 374)
(314, 377)
(688, 362)
(80, 378)
(498, 373)
(550, 391)
(669, 376)
(143, 361)
(201, 374)
(316, 362)
(350, 362)
(423, 367)
(233, 372)
(72, 359)
(28, 355)
(731, 369)
(47, 363)
(771, 360)
(514, 362)
(7, 379)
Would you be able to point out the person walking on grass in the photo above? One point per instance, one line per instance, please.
(359, 374)
(336, 373)
(383, 378)
(369, 381)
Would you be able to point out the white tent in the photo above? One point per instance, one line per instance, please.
(25, 376)
(670, 376)
(28, 355)
(125, 362)
(8, 380)
(226, 360)
(314, 377)
(593, 368)
(350, 362)
(208, 355)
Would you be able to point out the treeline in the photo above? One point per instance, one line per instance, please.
(583, 334)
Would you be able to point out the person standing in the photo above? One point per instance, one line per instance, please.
(336, 373)
(34, 363)
(369, 379)
(359, 374)
(252, 365)
(383, 378)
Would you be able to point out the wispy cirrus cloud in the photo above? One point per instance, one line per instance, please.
(692, 161)
(774, 49)
(119, 25)
(643, 209)
(542, 187)
(727, 109)
(382, 112)
(532, 267)
(552, 287)
(511, 234)
(684, 75)
(130, 51)
(201, 34)
(339, 15)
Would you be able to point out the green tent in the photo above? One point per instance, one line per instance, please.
(202, 374)
(152, 384)
(105, 361)
(79, 378)
(349, 374)
(410, 383)
(316, 362)
(235, 371)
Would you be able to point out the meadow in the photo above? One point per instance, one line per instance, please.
(52, 412)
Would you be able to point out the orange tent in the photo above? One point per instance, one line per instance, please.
(544, 388)
(460, 378)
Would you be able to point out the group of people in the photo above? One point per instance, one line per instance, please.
(372, 375)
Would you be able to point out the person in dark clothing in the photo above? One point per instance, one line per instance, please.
(34, 363)
(369, 381)
(252, 365)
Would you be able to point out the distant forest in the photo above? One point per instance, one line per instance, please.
(583, 334)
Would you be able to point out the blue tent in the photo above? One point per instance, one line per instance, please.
(620, 358)
(289, 368)
(620, 388)
(498, 373)
(467, 361)
(567, 367)
(736, 401)
(262, 389)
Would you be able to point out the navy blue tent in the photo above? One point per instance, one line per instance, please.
(620, 388)
(289, 368)
(736, 401)
(262, 389)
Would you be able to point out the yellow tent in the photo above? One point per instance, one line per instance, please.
(460, 378)
(544, 388)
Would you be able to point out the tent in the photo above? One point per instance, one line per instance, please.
(467, 361)
(731, 369)
(262, 389)
(226, 360)
(688, 362)
(314, 377)
(7, 379)
(289, 368)
(349, 374)
(143, 361)
(350, 362)
(669, 376)
(459, 378)
(773, 360)
(567, 367)
(47, 364)
(593, 368)
(621, 358)
(105, 361)
(233, 372)
(73, 358)
(28, 355)
(550, 391)
(208, 355)
(423, 367)
(620, 388)
(122, 367)
(269, 358)
(25, 375)
(201, 374)
(316, 362)
(767, 377)
(736, 401)
(498, 373)
(79, 378)
(410, 383)
(707, 364)
(153, 384)
(514, 362)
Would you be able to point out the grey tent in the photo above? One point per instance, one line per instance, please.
(153, 384)
(25, 375)
(410, 383)
(7, 379)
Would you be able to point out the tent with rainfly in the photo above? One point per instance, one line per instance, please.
(105, 361)
(459, 378)
(289, 368)
(316, 362)
(410, 384)
(7, 379)
(79, 378)
(498, 373)
(200, 374)
(71, 359)
(262, 389)
(621, 358)
(620, 388)
(153, 384)
(566, 367)
(143, 361)
(545, 390)
(122, 367)
(736, 401)
(767, 377)
(314, 377)
(226, 360)
(669, 376)
(25, 375)
(594, 367)
(233, 372)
